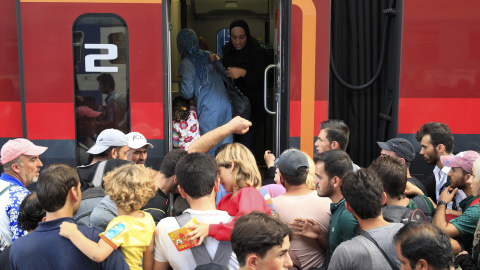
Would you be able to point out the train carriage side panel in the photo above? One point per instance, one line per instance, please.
(10, 101)
(440, 70)
(309, 73)
(48, 69)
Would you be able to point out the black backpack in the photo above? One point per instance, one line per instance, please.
(400, 214)
(200, 253)
(91, 197)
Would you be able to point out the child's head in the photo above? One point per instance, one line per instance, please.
(130, 186)
(244, 172)
(180, 109)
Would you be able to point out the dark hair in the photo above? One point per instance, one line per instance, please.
(298, 179)
(421, 240)
(107, 152)
(439, 134)
(220, 148)
(112, 164)
(257, 233)
(392, 171)
(170, 161)
(363, 191)
(30, 212)
(179, 206)
(336, 162)
(336, 130)
(180, 110)
(53, 186)
(196, 174)
(106, 79)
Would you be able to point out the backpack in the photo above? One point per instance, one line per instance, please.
(91, 197)
(200, 253)
(423, 206)
(400, 214)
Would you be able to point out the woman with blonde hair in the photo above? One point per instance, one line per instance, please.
(240, 176)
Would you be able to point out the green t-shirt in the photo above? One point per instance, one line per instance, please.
(466, 223)
(430, 208)
(342, 224)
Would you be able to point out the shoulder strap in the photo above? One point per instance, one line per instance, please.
(6, 188)
(200, 253)
(421, 204)
(98, 178)
(222, 74)
(472, 203)
(369, 237)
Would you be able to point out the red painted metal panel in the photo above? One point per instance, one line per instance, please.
(296, 57)
(10, 108)
(50, 121)
(457, 113)
(322, 54)
(440, 56)
(48, 62)
(10, 119)
(321, 114)
(145, 47)
(147, 118)
(440, 68)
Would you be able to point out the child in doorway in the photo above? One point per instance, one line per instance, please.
(185, 123)
(130, 187)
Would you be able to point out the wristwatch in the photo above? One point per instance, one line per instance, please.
(442, 202)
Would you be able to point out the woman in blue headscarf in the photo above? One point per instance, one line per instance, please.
(200, 80)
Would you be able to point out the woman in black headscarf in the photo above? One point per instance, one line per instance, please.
(244, 61)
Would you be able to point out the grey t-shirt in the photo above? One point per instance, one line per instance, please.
(360, 253)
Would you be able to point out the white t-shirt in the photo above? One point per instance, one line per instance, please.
(165, 250)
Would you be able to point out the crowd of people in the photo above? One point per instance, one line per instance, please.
(351, 218)
(320, 212)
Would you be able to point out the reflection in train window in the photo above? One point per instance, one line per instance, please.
(100, 52)
(119, 40)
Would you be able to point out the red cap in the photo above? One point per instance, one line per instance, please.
(86, 111)
(17, 147)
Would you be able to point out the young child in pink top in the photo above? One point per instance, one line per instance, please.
(185, 123)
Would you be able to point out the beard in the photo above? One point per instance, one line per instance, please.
(326, 192)
(433, 159)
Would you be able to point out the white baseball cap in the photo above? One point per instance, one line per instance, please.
(107, 138)
(136, 140)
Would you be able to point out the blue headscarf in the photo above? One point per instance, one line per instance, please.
(187, 44)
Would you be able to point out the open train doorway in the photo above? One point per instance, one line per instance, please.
(210, 20)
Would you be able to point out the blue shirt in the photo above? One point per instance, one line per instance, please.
(211, 98)
(10, 202)
(44, 248)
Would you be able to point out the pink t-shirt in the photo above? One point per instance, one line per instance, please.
(305, 252)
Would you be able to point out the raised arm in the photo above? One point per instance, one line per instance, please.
(208, 140)
(97, 252)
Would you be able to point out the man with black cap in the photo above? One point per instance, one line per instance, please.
(403, 149)
(301, 202)
(111, 144)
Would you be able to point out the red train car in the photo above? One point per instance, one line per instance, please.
(54, 50)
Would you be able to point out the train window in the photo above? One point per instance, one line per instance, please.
(100, 52)
(223, 37)
(119, 40)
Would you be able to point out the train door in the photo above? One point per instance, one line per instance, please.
(92, 60)
(266, 18)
